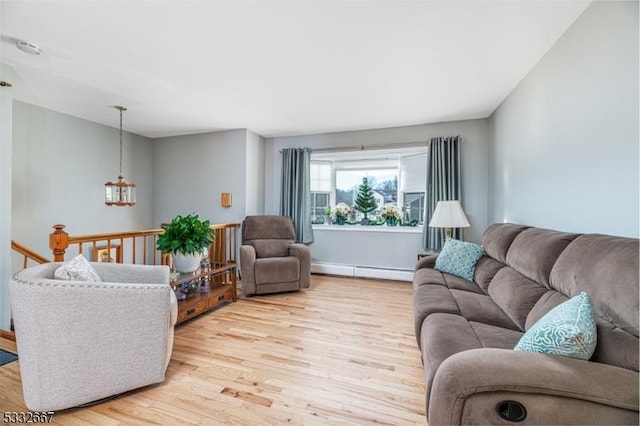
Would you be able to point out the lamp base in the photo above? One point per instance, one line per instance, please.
(447, 233)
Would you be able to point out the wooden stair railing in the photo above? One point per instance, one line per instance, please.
(27, 255)
(138, 246)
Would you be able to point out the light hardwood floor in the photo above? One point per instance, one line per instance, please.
(342, 352)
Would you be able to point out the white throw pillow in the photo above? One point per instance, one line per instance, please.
(61, 273)
(78, 269)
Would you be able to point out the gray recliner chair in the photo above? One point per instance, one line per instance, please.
(270, 259)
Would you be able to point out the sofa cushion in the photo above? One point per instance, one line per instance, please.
(607, 268)
(457, 283)
(491, 336)
(516, 295)
(547, 302)
(568, 330)
(480, 308)
(498, 237)
(77, 269)
(459, 258)
(486, 269)
(438, 344)
(534, 252)
(431, 299)
(427, 276)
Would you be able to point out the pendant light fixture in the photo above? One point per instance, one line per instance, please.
(120, 193)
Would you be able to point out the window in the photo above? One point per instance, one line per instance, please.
(413, 206)
(320, 190)
(397, 176)
(319, 203)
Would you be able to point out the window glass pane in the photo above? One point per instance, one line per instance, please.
(413, 173)
(320, 176)
(384, 183)
(414, 206)
(319, 203)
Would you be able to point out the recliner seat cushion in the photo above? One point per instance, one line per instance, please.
(277, 270)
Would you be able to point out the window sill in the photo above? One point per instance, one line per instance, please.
(377, 228)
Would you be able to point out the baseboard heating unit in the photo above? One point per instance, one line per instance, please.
(361, 271)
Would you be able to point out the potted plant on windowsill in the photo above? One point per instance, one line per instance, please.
(391, 214)
(340, 213)
(186, 237)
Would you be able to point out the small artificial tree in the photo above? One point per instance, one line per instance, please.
(365, 201)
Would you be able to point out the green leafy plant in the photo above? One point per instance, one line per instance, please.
(186, 235)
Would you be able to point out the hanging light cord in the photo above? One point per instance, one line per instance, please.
(121, 108)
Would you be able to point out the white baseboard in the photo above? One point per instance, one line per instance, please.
(362, 272)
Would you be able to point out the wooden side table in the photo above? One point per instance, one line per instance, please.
(220, 290)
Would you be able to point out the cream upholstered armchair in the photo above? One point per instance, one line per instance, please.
(81, 341)
(270, 260)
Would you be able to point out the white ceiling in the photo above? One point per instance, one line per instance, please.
(277, 68)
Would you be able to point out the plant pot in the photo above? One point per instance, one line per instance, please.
(185, 263)
(340, 220)
(391, 221)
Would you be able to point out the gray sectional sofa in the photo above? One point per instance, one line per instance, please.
(466, 331)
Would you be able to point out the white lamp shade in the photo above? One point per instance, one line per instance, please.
(449, 214)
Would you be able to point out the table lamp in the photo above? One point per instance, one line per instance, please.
(447, 215)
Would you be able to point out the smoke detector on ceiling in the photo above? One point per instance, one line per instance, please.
(27, 47)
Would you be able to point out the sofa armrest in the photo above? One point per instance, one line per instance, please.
(129, 273)
(304, 256)
(247, 262)
(426, 262)
(553, 389)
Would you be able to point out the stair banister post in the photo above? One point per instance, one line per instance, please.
(58, 242)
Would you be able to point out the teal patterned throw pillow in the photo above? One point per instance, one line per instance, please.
(568, 330)
(459, 258)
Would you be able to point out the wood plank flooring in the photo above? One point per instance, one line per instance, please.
(341, 352)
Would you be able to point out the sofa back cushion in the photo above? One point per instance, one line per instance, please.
(497, 239)
(263, 227)
(527, 255)
(534, 252)
(607, 269)
(533, 270)
(515, 294)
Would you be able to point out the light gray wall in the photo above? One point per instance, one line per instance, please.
(254, 174)
(190, 172)
(6, 111)
(60, 166)
(371, 248)
(564, 150)
(475, 153)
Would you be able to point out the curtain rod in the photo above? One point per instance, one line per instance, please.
(373, 147)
